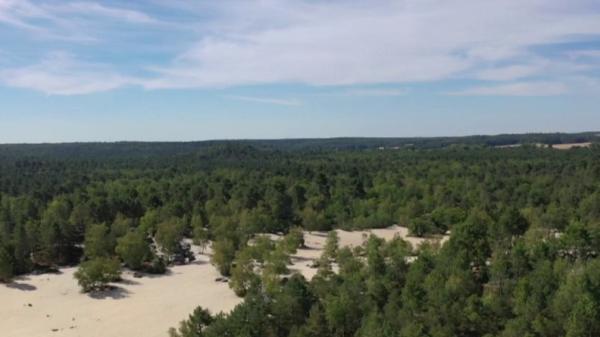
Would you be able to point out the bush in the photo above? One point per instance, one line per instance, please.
(421, 226)
(98, 242)
(97, 273)
(294, 240)
(223, 256)
(134, 249)
(168, 236)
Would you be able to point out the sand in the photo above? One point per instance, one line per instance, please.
(139, 307)
(52, 304)
(315, 242)
(570, 146)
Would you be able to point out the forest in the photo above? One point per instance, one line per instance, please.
(522, 258)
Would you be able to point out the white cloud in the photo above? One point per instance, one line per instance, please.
(95, 9)
(267, 100)
(510, 72)
(539, 88)
(342, 43)
(61, 74)
(318, 43)
(17, 13)
(69, 21)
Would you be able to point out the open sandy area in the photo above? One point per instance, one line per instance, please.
(570, 146)
(52, 305)
(315, 242)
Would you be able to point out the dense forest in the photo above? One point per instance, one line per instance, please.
(522, 259)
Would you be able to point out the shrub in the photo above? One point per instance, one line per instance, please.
(134, 249)
(97, 273)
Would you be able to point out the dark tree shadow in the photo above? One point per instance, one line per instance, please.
(310, 247)
(302, 258)
(113, 292)
(46, 270)
(166, 273)
(21, 286)
(198, 263)
(323, 235)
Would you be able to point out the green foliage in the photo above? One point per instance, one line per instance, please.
(6, 265)
(157, 266)
(223, 255)
(242, 274)
(194, 326)
(331, 246)
(522, 259)
(98, 242)
(97, 273)
(201, 237)
(420, 226)
(169, 235)
(133, 249)
(293, 240)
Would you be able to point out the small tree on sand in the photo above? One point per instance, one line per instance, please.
(97, 273)
(133, 249)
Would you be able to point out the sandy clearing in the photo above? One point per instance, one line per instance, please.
(140, 307)
(508, 146)
(570, 146)
(315, 243)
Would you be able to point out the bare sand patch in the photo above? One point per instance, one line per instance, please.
(508, 146)
(570, 146)
(315, 243)
(52, 304)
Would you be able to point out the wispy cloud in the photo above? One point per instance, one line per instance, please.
(244, 42)
(267, 100)
(385, 42)
(61, 74)
(516, 89)
(22, 14)
(375, 92)
(95, 9)
(68, 21)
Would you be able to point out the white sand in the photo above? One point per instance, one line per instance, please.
(140, 307)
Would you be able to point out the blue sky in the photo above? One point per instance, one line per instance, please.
(194, 70)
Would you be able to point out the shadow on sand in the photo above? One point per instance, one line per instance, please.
(21, 286)
(147, 275)
(198, 262)
(299, 258)
(114, 293)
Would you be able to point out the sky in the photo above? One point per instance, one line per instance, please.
(176, 70)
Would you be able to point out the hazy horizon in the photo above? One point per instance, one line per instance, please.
(292, 138)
